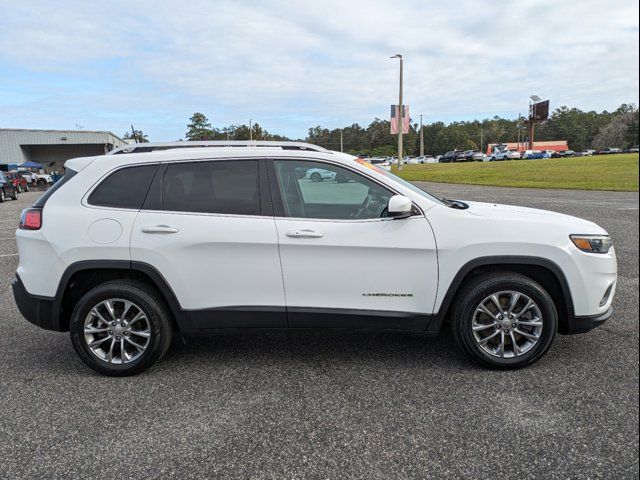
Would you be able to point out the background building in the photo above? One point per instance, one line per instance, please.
(52, 148)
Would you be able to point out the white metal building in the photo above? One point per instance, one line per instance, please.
(52, 148)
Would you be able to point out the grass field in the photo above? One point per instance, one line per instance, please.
(602, 172)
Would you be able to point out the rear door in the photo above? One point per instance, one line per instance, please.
(344, 263)
(208, 228)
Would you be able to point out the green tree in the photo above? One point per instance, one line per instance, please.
(136, 135)
(199, 128)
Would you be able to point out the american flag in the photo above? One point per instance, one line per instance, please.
(394, 119)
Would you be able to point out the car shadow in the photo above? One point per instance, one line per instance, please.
(333, 345)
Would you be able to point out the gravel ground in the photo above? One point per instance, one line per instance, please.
(327, 404)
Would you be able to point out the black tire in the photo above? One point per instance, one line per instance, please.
(149, 301)
(315, 177)
(2, 197)
(14, 194)
(479, 288)
(342, 178)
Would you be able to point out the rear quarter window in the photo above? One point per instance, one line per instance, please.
(124, 188)
(68, 175)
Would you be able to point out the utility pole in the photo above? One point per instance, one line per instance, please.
(400, 114)
(482, 140)
(133, 134)
(421, 138)
(341, 145)
(250, 131)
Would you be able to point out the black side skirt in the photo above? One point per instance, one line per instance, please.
(193, 322)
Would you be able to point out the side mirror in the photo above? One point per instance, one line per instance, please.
(400, 207)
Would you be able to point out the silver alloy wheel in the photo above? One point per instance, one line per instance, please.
(507, 324)
(117, 331)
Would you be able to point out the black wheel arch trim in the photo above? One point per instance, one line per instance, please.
(438, 318)
(59, 324)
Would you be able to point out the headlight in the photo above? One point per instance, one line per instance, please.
(592, 243)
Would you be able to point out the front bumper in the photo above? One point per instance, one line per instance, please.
(583, 324)
(37, 310)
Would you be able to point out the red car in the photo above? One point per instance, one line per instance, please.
(19, 182)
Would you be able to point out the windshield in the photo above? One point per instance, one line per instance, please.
(401, 181)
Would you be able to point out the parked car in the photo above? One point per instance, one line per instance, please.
(151, 251)
(588, 152)
(318, 174)
(7, 188)
(533, 154)
(550, 154)
(41, 179)
(473, 156)
(506, 155)
(453, 156)
(18, 181)
(376, 160)
(426, 159)
(567, 153)
(609, 150)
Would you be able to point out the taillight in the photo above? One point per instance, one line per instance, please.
(31, 219)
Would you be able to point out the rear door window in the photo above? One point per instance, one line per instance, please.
(226, 187)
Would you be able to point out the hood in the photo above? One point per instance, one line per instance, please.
(533, 215)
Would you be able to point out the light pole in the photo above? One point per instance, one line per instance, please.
(400, 112)
(250, 131)
(341, 144)
(421, 138)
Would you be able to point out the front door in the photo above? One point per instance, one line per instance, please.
(344, 263)
(209, 232)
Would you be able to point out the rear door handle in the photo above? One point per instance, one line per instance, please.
(304, 234)
(159, 229)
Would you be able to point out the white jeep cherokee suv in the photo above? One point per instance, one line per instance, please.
(133, 246)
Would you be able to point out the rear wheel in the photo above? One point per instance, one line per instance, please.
(504, 320)
(2, 196)
(315, 177)
(121, 328)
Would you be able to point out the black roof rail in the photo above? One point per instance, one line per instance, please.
(158, 146)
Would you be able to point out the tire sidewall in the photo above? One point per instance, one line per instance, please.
(153, 309)
(532, 290)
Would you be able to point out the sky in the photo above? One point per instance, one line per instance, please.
(291, 65)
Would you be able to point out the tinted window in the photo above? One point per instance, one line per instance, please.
(124, 188)
(319, 190)
(68, 175)
(230, 187)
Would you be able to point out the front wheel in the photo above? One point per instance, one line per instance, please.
(121, 328)
(504, 320)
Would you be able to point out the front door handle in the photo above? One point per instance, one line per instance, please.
(304, 234)
(159, 229)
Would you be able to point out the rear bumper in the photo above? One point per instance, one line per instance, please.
(583, 324)
(37, 310)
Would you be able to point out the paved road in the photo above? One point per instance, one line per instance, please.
(331, 405)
